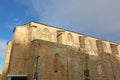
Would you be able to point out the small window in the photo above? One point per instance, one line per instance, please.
(56, 62)
(59, 37)
(82, 41)
(99, 44)
(114, 48)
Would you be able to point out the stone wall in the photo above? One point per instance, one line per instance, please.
(64, 55)
(63, 62)
(0, 75)
(58, 35)
(7, 60)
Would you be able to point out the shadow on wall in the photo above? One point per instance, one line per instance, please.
(0, 75)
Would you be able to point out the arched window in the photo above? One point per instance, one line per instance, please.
(82, 41)
(56, 62)
(46, 34)
(70, 39)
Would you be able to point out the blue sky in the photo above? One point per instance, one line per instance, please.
(98, 18)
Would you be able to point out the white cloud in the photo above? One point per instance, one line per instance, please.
(96, 17)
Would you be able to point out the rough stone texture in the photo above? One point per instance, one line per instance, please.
(7, 60)
(64, 55)
(0, 75)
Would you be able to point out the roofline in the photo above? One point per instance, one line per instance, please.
(70, 31)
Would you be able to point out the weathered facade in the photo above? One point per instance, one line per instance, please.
(64, 55)
(0, 75)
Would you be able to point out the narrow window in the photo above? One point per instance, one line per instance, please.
(86, 71)
(82, 41)
(114, 49)
(59, 37)
(99, 44)
(56, 62)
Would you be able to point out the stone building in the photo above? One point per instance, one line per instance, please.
(0, 75)
(63, 55)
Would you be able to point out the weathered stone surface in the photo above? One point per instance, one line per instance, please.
(64, 55)
(0, 75)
